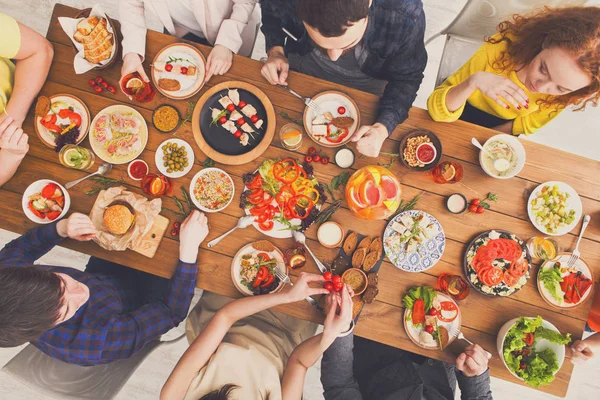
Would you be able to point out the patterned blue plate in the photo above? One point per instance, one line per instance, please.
(427, 254)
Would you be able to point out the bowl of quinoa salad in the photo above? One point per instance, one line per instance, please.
(212, 190)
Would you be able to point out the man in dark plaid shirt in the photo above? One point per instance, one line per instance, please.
(90, 318)
(372, 45)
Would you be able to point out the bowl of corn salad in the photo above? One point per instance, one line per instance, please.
(212, 190)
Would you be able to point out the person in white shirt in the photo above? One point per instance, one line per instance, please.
(221, 23)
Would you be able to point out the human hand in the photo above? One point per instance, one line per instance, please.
(77, 226)
(12, 138)
(192, 233)
(338, 323)
(302, 290)
(370, 138)
(581, 352)
(132, 62)
(473, 362)
(494, 86)
(277, 67)
(219, 61)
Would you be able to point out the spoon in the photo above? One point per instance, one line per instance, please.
(243, 222)
(301, 238)
(102, 170)
(500, 164)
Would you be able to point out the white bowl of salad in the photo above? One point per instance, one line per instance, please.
(532, 349)
(554, 208)
(508, 156)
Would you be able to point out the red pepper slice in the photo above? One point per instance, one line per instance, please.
(256, 182)
(262, 274)
(256, 211)
(289, 175)
(339, 135)
(300, 206)
(261, 218)
(256, 196)
(287, 213)
(265, 257)
(285, 194)
(448, 306)
(418, 312)
(266, 226)
(267, 282)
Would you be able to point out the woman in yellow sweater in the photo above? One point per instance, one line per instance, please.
(525, 75)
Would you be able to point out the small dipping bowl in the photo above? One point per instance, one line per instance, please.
(456, 203)
(357, 280)
(426, 145)
(344, 158)
(160, 111)
(330, 234)
(134, 165)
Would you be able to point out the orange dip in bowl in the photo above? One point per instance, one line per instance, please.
(356, 279)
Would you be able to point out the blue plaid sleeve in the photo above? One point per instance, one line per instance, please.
(128, 333)
(27, 248)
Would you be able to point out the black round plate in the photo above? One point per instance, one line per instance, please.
(219, 138)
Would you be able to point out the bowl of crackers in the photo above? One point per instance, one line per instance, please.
(420, 150)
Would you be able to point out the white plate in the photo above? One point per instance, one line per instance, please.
(413, 332)
(79, 107)
(330, 101)
(581, 265)
(428, 253)
(189, 85)
(99, 147)
(573, 202)
(248, 249)
(36, 187)
(158, 158)
(558, 349)
(517, 147)
(193, 184)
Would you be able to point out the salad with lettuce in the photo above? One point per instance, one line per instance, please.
(536, 368)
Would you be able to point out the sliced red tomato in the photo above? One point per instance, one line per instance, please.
(479, 264)
(52, 215)
(266, 226)
(519, 268)
(510, 279)
(285, 194)
(261, 218)
(487, 253)
(256, 196)
(49, 122)
(448, 312)
(261, 275)
(529, 338)
(49, 191)
(34, 211)
(492, 276)
(256, 182)
(60, 201)
(418, 312)
(267, 282)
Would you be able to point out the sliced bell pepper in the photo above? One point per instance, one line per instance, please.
(285, 194)
(337, 135)
(268, 281)
(288, 175)
(262, 274)
(256, 182)
(300, 206)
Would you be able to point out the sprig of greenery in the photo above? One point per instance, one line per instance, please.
(216, 119)
(490, 197)
(103, 183)
(328, 190)
(208, 163)
(340, 180)
(326, 214)
(188, 116)
(175, 59)
(285, 115)
(186, 197)
(408, 205)
(388, 165)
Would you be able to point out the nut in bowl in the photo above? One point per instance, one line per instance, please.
(174, 158)
(45, 201)
(508, 156)
(212, 190)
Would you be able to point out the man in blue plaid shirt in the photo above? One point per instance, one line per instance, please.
(372, 45)
(106, 313)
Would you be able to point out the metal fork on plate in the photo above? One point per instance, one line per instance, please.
(455, 332)
(310, 103)
(575, 256)
(286, 279)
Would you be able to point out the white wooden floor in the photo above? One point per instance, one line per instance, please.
(575, 132)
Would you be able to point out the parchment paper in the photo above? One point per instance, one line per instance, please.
(146, 212)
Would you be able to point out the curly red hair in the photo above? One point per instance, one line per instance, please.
(574, 29)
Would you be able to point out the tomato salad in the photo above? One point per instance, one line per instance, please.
(281, 191)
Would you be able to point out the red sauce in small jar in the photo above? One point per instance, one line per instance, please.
(137, 169)
(426, 153)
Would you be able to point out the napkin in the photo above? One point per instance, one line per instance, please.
(69, 25)
(145, 214)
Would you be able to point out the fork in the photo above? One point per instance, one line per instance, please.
(575, 256)
(459, 335)
(285, 278)
(310, 103)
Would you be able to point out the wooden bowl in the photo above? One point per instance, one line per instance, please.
(115, 27)
(434, 140)
(364, 276)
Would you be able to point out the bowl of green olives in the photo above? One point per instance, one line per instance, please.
(174, 158)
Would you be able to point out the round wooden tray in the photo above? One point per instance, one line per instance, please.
(86, 13)
(251, 155)
(434, 140)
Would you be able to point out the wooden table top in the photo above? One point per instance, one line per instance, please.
(381, 321)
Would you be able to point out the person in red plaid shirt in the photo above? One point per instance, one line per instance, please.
(106, 313)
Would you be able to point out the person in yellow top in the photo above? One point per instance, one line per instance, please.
(525, 75)
(19, 85)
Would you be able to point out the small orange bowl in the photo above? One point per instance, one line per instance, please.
(357, 279)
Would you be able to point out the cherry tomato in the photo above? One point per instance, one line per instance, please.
(254, 119)
(169, 67)
(327, 275)
(222, 120)
(184, 70)
(241, 121)
(475, 202)
(308, 158)
(174, 232)
(98, 89)
(522, 366)
(480, 210)
(104, 84)
(242, 104)
(433, 311)
(325, 160)
(338, 288)
(339, 284)
(176, 225)
(429, 328)
(231, 107)
(112, 89)
(91, 82)
(336, 279)
(312, 150)
(473, 208)
(341, 110)
(328, 286)
(237, 134)
(317, 158)
(99, 79)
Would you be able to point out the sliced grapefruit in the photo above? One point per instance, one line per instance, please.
(371, 194)
(356, 198)
(375, 173)
(390, 187)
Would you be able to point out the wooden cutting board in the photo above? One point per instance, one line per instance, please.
(151, 240)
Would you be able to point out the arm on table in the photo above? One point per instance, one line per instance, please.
(585, 350)
(24, 250)
(473, 374)
(200, 351)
